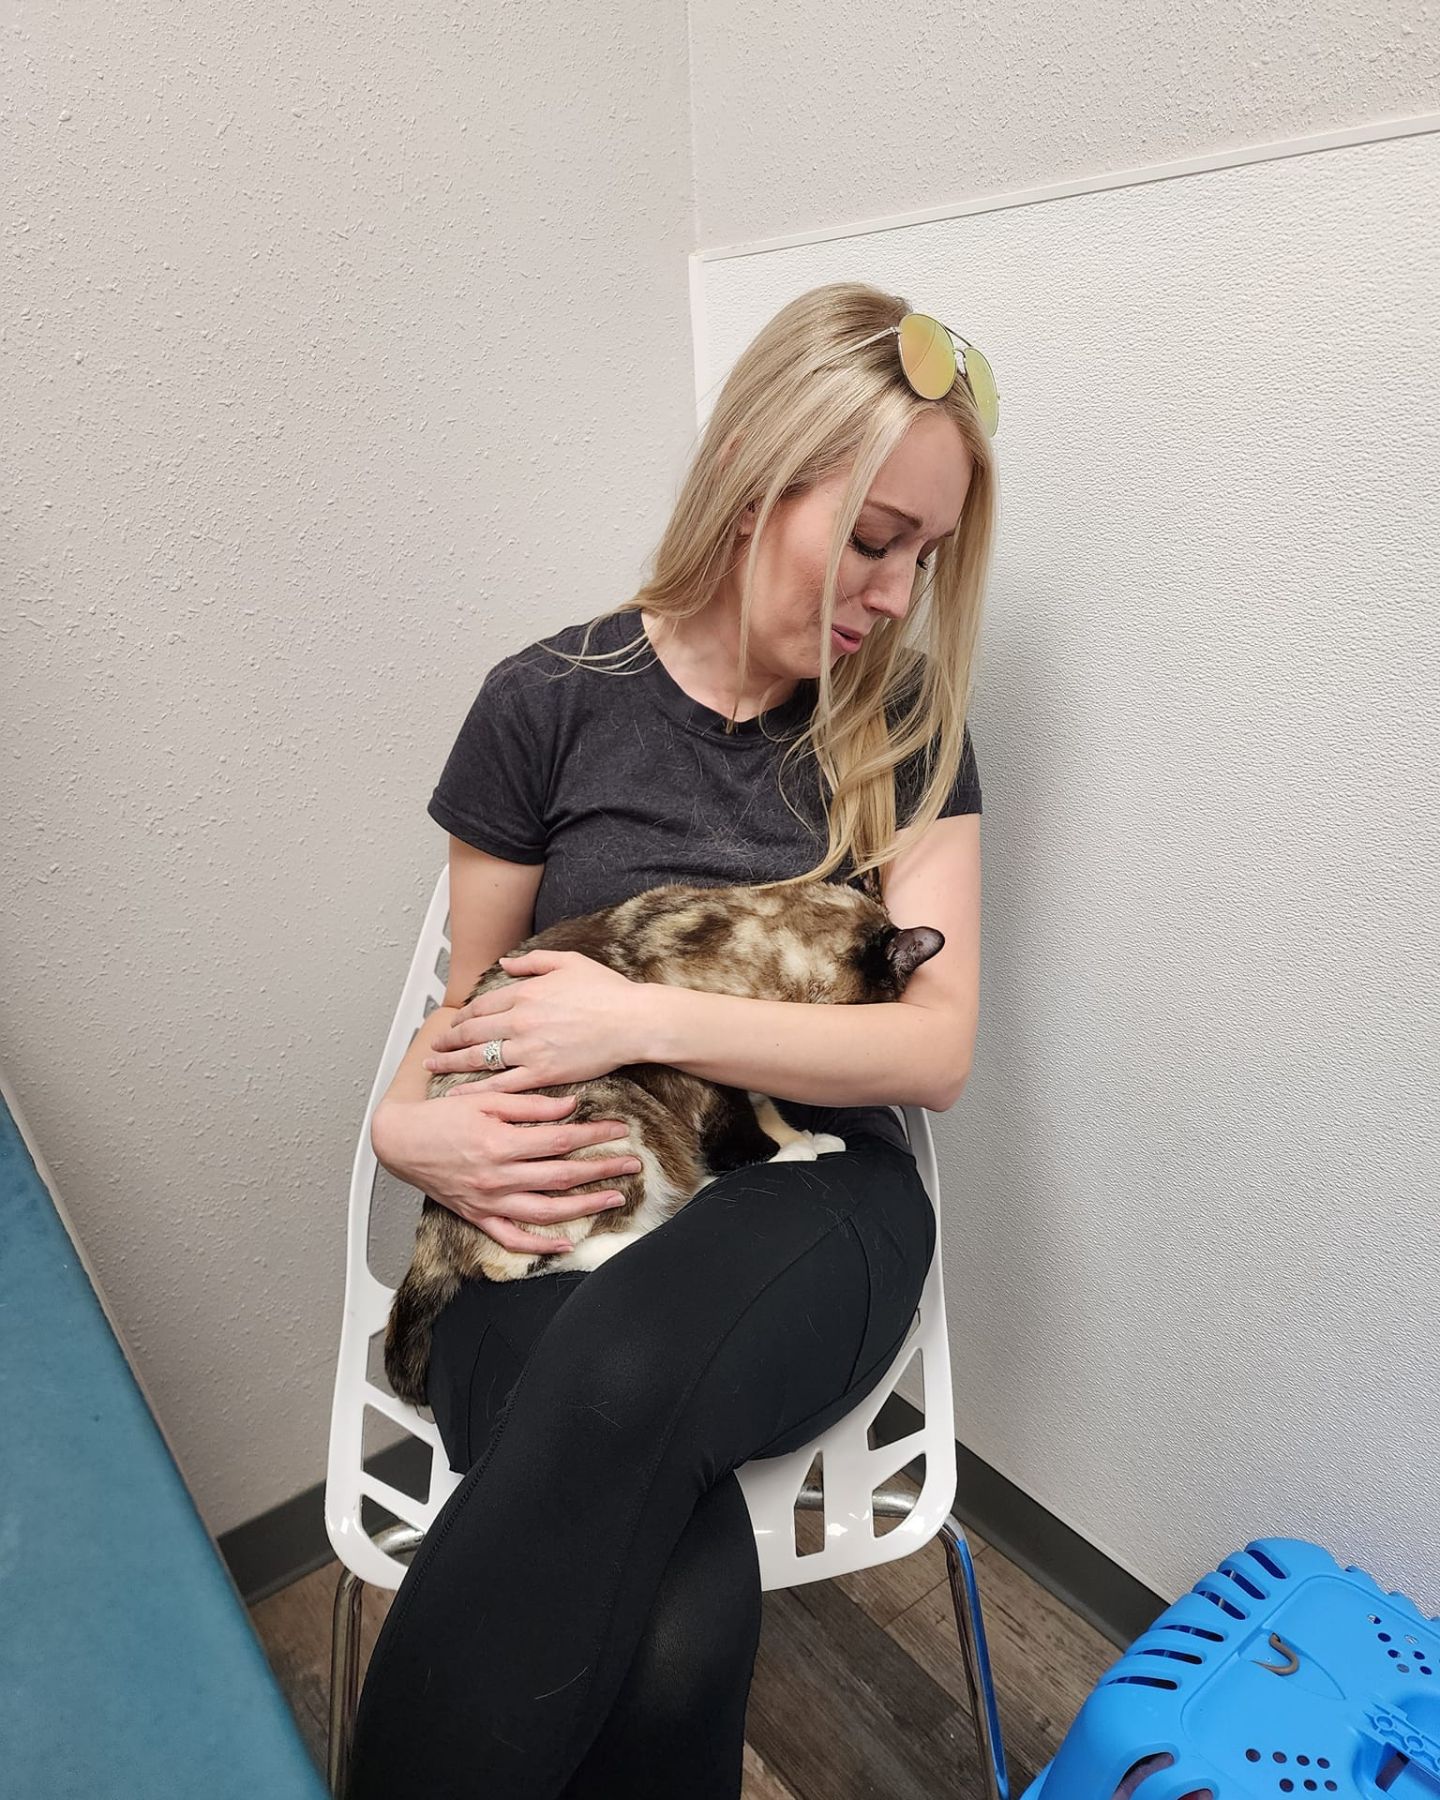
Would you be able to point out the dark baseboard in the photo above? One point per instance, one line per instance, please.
(289, 1542)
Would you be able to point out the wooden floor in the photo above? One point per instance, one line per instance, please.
(859, 1689)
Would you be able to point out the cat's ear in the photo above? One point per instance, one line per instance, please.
(911, 946)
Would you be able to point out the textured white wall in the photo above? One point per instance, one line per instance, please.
(343, 353)
(1189, 1211)
(808, 116)
(279, 487)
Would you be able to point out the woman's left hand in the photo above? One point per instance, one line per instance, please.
(571, 1019)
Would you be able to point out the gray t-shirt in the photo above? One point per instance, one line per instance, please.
(619, 782)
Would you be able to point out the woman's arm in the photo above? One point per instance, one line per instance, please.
(913, 1051)
(411, 1082)
(492, 907)
(892, 1052)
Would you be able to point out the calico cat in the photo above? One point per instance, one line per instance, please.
(821, 943)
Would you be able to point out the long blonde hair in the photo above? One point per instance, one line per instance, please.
(798, 405)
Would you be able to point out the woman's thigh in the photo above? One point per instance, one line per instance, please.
(892, 1226)
(847, 1240)
(479, 1344)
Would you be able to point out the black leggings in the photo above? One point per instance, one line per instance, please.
(582, 1618)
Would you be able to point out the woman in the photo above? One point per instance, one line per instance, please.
(581, 1621)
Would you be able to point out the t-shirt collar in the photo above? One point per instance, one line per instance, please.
(667, 693)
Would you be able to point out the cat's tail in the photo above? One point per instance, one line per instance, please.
(421, 1297)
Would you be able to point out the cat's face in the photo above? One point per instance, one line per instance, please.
(824, 943)
(855, 953)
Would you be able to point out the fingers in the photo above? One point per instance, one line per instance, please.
(519, 1104)
(461, 1044)
(508, 1231)
(552, 1186)
(454, 1062)
(511, 1236)
(564, 1135)
(526, 1207)
(570, 1172)
(567, 1165)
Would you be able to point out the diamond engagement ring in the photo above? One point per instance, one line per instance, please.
(493, 1058)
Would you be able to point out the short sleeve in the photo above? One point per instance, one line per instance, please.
(491, 792)
(964, 794)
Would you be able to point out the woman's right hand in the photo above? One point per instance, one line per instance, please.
(495, 1159)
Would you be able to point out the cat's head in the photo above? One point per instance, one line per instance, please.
(821, 943)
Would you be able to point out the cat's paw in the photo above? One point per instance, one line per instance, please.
(801, 1148)
(826, 1142)
(598, 1248)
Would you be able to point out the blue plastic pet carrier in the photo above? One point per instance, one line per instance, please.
(1278, 1673)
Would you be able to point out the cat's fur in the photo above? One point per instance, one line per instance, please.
(820, 943)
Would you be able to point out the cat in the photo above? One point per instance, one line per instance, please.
(821, 943)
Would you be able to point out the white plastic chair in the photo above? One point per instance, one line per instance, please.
(852, 1492)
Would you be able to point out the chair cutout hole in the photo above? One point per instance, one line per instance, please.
(375, 1518)
(891, 1423)
(882, 1523)
(395, 1209)
(394, 1456)
(375, 1364)
(376, 1376)
(442, 966)
(810, 1520)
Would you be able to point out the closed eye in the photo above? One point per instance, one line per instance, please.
(875, 553)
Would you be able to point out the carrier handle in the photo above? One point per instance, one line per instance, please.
(1409, 1765)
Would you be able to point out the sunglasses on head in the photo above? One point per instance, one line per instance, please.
(927, 356)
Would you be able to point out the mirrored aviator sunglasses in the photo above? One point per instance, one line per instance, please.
(927, 355)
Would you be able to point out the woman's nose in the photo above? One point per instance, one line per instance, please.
(888, 596)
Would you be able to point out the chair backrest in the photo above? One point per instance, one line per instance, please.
(851, 1467)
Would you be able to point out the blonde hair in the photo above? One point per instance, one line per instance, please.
(798, 405)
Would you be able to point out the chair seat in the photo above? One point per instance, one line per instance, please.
(1278, 1673)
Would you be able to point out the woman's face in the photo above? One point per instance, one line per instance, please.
(926, 476)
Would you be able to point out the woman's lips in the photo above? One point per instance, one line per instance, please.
(842, 641)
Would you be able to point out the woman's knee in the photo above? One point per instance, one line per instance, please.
(616, 1363)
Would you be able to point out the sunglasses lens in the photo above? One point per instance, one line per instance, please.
(927, 355)
(982, 385)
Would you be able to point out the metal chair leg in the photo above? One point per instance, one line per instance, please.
(344, 1677)
(969, 1622)
(965, 1594)
(396, 1540)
